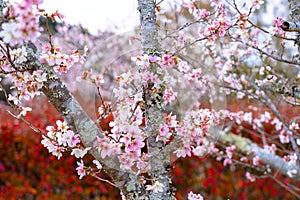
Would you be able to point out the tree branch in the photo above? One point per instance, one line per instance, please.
(70, 109)
(159, 159)
(294, 26)
(246, 146)
(291, 26)
(294, 6)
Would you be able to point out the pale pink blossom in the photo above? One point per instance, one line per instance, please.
(270, 148)
(169, 95)
(24, 111)
(142, 163)
(142, 61)
(19, 54)
(51, 131)
(292, 172)
(46, 142)
(294, 126)
(80, 153)
(255, 160)
(134, 145)
(163, 133)
(250, 177)
(40, 77)
(292, 159)
(229, 151)
(266, 117)
(257, 4)
(80, 169)
(70, 138)
(104, 146)
(248, 117)
(62, 126)
(98, 164)
(277, 123)
(284, 138)
(10, 33)
(192, 196)
(127, 159)
(168, 61)
(14, 99)
(183, 152)
(227, 161)
(156, 187)
(200, 150)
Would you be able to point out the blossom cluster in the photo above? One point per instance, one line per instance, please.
(169, 66)
(13, 61)
(61, 62)
(165, 61)
(83, 170)
(27, 85)
(60, 139)
(284, 134)
(198, 13)
(166, 130)
(126, 137)
(90, 76)
(22, 22)
(194, 132)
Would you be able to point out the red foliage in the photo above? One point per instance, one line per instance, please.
(104, 123)
(213, 181)
(28, 171)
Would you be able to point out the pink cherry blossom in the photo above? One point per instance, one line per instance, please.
(24, 111)
(169, 95)
(10, 33)
(156, 187)
(62, 126)
(134, 145)
(80, 169)
(183, 152)
(257, 4)
(104, 146)
(164, 133)
(71, 139)
(250, 177)
(255, 160)
(192, 196)
(98, 164)
(80, 153)
(278, 22)
(227, 161)
(168, 61)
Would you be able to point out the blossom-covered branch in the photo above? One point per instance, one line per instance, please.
(246, 146)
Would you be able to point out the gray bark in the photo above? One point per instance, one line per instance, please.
(70, 109)
(78, 120)
(294, 25)
(159, 159)
(294, 6)
(246, 146)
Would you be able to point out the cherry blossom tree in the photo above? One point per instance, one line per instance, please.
(171, 100)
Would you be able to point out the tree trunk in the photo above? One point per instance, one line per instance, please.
(70, 109)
